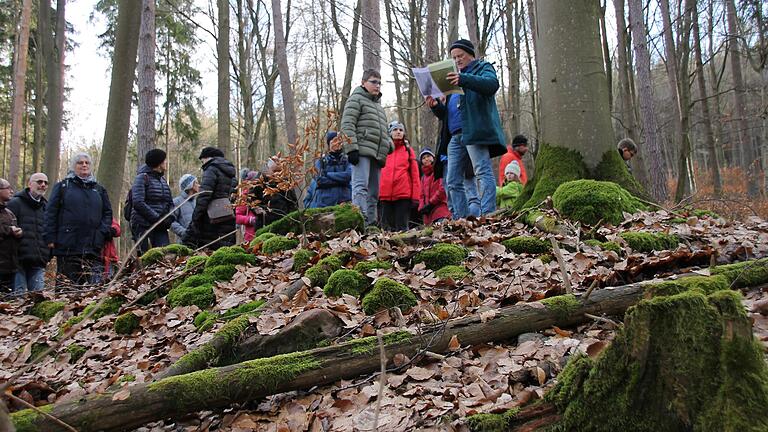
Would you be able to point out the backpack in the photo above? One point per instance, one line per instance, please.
(128, 204)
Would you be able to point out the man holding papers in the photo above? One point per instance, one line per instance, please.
(471, 127)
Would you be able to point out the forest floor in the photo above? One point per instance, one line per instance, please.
(431, 394)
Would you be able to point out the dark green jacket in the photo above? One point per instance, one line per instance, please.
(364, 123)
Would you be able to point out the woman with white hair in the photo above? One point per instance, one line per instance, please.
(78, 220)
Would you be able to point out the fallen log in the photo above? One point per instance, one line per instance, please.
(221, 387)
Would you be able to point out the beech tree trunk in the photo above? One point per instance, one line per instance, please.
(350, 49)
(470, 14)
(146, 78)
(453, 21)
(245, 80)
(658, 183)
(512, 32)
(54, 67)
(222, 58)
(281, 57)
(37, 145)
(18, 106)
(119, 107)
(371, 35)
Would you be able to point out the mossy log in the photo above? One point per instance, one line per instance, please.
(221, 387)
(325, 220)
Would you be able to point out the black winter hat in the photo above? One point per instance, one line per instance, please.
(210, 152)
(154, 158)
(329, 136)
(519, 140)
(465, 45)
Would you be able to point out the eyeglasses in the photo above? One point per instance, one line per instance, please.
(375, 82)
(41, 182)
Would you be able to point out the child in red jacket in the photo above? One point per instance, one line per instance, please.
(433, 203)
(399, 185)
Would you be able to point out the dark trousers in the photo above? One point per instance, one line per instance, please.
(395, 214)
(6, 282)
(156, 238)
(79, 269)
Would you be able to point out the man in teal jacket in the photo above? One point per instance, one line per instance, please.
(474, 126)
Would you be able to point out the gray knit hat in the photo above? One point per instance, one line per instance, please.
(186, 181)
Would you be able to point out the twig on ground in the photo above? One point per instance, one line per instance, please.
(561, 263)
(603, 319)
(589, 291)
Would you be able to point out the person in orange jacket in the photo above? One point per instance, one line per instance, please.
(515, 152)
(399, 185)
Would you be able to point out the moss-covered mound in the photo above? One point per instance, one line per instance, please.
(492, 422)
(743, 274)
(46, 309)
(563, 305)
(198, 289)
(704, 285)
(366, 267)
(201, 296)
(301, 258)
(685, 361)
(158, 254)
(454, 272)
(328, 220)
(110, 306)
(319, 273)
(345, 281)
(441, 255)
(204, 321)
(592, 201)
(386, 294)
(75, 352)
(608, 245)
(261, 238)
(194, 280)
(278, 244)
(649, 242)
(234, 255)
(546, 258)
(526, 244)
(126, 323)
(195, 261)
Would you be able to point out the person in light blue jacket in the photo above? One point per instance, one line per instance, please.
(188, 185)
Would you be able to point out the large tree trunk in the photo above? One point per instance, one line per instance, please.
(454, 6)
(119, 108)
(146, 77)
(428, 123)
(281, 57)
(658, 189)
(350, 49)
(37, 145)
(222, 56)
(749, 162)
(54, 67)
(18, 106)
(371, 35)
(393, 60)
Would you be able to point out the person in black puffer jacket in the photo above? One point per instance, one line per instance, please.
(78, 219)
(29, 208)
(151, 200)
(219, 180)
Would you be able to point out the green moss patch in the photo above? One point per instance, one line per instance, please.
(703, 284)
(27, 420)
(369, 344)
(441, 255)
(563, 305)
(492, 422)
(386, 294)
(592, 201)
(454, 272)
(75, 352)
(37, 349)
(261, 238)
(301, 258)
(526, 244)
(345, 281)
(278, 244)
(319, 273)
(546, 258)
(201, 296)
(246, 308)
(158, 254)
(608, 245)
(110, 306)
(222, 272)
(195, 261)
(46, 309)
(345, 217)
(649, 242)
(743, 274)
(126, 323)
(233, 255)
(703, 213)
(204, 321)
(366, 267)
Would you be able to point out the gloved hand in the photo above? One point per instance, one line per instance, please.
(427, 209)
(354, 157)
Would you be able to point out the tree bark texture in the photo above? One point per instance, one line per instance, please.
(658, 184)
(54, 67)
(220, 387)
(19, 89)
(245, 79)
(371, 34)
(454, 6)
(470, 14)
(146, 78)
(222, 57)
(119, 107)
(281, 57)
(428, 123)
(574, 98)
(350, 49)
(37, 145)
(512, 32)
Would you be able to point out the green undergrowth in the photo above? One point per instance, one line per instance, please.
(37, 349)
(158, 254)
(546, 258)
(452, 271)
(233, 255)
(76, 351)
(46, 309)
(27, 420)
(563, 305)
(319, 273)
(366, 267)
(526, 244)
(110, 306)
(649, 242)
(607, 245)
(345, 281)
(126, 323)
(492, 422)
(368, 345)
(195, 262)
(345, 217)
(386, 294)
(441, 255)
(592, 202)
(261, 238)
(208, 355)
(278, 244)
(205, 320)
(301, 258)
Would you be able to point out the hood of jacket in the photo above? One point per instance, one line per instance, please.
(223, 165)
(24, 196)
(361, 90)
(146, 169)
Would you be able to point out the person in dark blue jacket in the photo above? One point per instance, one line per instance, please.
(78, 219)
(334, 173)
(151, 200)
(473, 122)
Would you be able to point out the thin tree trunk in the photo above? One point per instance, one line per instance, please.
(428, 123)
(146, 77)
(350, 49)
(606, 55)
(19, 90)
(393, 59)
(453, 20)
(119, 107)
(244, 46)
(55, 71)
(512, 32)
(222, 54)
(371, 35)
(532, 87)
(658, 184)
(470, 14)
(39, 99)
(281, 58)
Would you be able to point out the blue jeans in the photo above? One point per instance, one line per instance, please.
(481, 162)
(157, 238)
(29, 279)
(470, 190)
(365, 187)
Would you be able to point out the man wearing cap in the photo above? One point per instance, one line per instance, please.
(334, 174)
(182, 216)
(151, 199)
(515, 152)
(29, 207)
(472, 122)
(219, 180)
